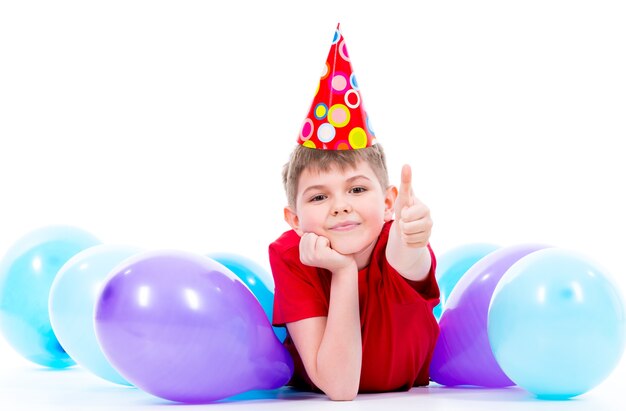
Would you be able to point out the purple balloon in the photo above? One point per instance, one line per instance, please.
(183, 327)
(462, 354)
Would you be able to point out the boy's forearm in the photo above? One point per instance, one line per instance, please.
(412, 263)
(340, 353)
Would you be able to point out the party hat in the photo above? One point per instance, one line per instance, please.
(337, 119)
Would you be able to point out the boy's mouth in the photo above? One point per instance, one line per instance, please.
(345, 226)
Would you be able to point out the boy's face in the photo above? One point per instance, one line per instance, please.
(348, 207)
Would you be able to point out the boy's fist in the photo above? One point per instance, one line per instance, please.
(413, 217)
(315, 251)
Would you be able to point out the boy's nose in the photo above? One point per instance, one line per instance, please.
(342, 207)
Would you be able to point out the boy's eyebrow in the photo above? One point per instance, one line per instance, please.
(351, 179)
(321, 186)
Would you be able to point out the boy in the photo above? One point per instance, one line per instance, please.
(354, 288)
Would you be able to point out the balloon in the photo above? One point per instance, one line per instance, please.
(556, 324)
(452, 265)
(462, 354)
(26, 274)
(183, 327)
(258, 280)
(72, 301)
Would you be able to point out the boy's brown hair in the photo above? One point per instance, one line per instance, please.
(303, 158)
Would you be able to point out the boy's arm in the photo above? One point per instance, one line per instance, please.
(330, 347)
(407, 250)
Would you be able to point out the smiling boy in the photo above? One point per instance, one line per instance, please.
(354, 287)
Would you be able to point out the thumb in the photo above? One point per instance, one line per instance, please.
(405, 194)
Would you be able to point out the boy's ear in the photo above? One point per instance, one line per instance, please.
(292, 219)
(390, 200)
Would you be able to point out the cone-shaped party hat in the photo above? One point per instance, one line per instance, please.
(337, 119)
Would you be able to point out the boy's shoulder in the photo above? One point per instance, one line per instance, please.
(289, 241)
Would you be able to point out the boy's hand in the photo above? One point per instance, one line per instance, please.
(412, 216)
(315, 251)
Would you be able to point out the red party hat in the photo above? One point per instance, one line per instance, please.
(337, 119)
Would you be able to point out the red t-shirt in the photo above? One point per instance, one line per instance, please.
(398, 329)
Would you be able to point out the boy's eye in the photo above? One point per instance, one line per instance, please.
(358, 190)
(318, 197)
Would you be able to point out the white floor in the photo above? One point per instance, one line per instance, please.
(27, 387)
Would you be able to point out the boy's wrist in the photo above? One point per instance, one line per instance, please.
(349, 269)
(400, 255)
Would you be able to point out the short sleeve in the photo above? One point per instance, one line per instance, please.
(298, 293)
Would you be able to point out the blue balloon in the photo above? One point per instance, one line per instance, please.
(26, 274)
(453, 264)
(556, 324)
(73, 296)
(258, 280)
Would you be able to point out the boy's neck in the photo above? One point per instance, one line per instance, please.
(364, 256)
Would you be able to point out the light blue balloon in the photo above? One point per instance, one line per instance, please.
(453, 264)
(258, 280)
(26, 274)
(556, 324)
(72, 302)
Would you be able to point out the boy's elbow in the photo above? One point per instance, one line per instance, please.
(340, 389)
(342, 394)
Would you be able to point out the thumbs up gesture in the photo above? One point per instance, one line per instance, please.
(413, 222)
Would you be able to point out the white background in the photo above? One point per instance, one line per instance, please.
(165, 124)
